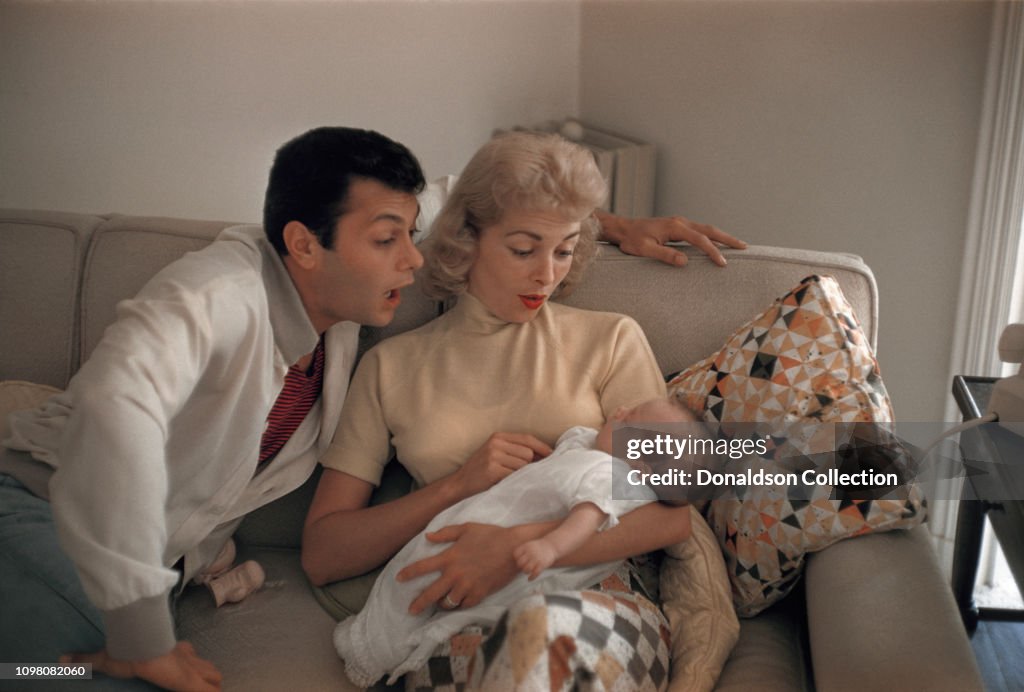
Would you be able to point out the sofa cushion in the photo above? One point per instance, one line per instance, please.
(771, 654)
(276, 639)
(896, 623)
(696, 601)
(803, 360)
(40, 268)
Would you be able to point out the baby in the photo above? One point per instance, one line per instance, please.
(576, 478)
(586, 518)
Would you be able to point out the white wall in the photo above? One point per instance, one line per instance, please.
(837, 125)
(176, 108)
(845, 125)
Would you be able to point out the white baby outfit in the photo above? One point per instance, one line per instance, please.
(384, 638)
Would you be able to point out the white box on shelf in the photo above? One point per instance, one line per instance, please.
(627, 165)
(632, 189)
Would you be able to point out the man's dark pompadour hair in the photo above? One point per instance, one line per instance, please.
(311, 176)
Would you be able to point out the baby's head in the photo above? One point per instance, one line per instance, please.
(664, 409)
(648, 417)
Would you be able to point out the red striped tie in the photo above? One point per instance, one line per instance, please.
(300, 392)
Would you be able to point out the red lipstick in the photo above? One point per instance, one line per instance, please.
(533, 302)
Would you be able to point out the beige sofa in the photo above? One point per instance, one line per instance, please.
(874, 613)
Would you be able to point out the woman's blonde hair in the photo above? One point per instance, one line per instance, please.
(516, 171)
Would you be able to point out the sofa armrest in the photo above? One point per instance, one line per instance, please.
(881, 616)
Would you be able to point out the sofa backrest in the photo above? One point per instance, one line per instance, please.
(61, 276)
(40, 274)
(687, 314)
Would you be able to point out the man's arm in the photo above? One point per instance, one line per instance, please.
(647, 237)
(111, 489)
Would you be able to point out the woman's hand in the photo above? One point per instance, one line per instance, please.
(648, 237)
(179, 669)
(478, 563)
(502, 454)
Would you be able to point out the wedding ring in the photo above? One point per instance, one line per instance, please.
(448, 603)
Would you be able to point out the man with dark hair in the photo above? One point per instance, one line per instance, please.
(304, 180)
(214, 393)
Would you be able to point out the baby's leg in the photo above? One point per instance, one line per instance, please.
(533, 557)
(221, 564)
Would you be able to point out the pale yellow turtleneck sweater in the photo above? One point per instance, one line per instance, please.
(438, 392)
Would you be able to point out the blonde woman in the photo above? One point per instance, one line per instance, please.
(485, 389)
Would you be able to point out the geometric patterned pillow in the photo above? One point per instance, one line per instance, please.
(803, 362)
(804, 357)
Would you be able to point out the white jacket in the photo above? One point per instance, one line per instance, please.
(156, 440)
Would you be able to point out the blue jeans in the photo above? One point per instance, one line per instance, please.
(45, 611)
